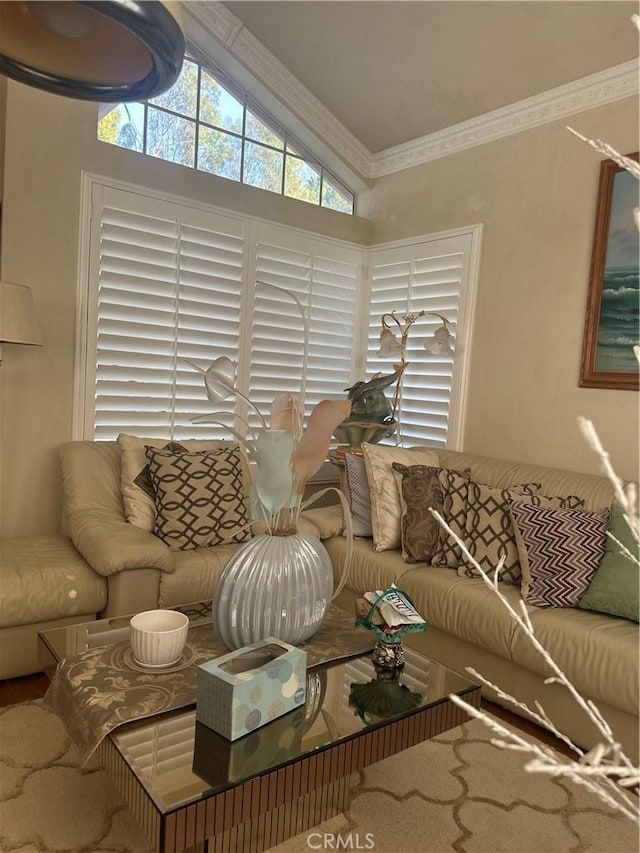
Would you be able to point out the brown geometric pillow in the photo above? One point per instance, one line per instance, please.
(419, 489)
(489, 529)
(199, 497)
(455, 488)
(138, 494)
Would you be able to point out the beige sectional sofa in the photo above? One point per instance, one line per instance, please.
(468, 626)
(123, 568)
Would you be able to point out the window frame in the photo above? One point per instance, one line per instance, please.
(292, 150)
(86, 302)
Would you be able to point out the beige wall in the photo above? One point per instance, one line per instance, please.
(49, 140)
(535, 194)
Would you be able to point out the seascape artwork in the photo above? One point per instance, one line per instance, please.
(619, 326)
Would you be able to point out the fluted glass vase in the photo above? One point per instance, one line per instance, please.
(273, 586)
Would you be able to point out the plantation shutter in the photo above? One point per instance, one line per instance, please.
(169, 285)
(325, 283)
(427, 276)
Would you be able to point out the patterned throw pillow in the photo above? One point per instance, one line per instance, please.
(455, 489)
(356, 486)
(555, 502)
(489, 533)
(420, 490)
(563, 550)
(199, 497)
(138, 494)
(385, 498)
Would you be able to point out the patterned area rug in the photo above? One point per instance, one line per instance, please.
(455, 793)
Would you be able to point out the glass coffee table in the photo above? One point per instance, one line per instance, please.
(192, 790)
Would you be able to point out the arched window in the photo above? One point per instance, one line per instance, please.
(206, 122)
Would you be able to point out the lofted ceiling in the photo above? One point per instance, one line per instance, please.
(391, 71)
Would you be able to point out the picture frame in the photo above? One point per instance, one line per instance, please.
(612, 321)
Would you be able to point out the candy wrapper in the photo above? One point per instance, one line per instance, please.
(389, 613)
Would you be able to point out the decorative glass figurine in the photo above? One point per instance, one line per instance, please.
(390, 614)
(383, 696)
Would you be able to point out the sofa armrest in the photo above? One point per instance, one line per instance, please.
(112, 545)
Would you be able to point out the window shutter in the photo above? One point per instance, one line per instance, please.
(427, 276)
(168, 290)
(326, 288)
(171, 282)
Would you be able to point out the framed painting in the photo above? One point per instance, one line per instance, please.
(612, 322)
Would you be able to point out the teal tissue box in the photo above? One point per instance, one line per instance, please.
(245, 689)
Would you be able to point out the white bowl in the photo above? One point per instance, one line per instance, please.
(158, 636)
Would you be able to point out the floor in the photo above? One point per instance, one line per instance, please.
(29, 687)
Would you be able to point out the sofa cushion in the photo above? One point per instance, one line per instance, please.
(463, 607)
(356, 488)
(455, 488)
(44, 578)
(200, 498)
(560, 550)
(137, 489)
(385, 499)
(599, 654)
(614, 587)
(196, 574)
(420, 491)
(370, 569)
(596, 491)
(489, 533)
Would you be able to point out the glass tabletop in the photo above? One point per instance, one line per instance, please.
(178, 760)
(75, 639)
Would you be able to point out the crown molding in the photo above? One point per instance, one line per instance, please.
(245, 48)
(607, 86)
(312, 117)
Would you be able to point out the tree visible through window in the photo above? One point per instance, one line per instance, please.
(206, 122)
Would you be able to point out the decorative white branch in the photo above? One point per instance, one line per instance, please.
(605, 770)
(603, 148)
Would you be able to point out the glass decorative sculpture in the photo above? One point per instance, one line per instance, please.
(371, 419)
(390, 614)
(383, 696)
(279, 583)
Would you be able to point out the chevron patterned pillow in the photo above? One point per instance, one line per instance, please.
(560, 552)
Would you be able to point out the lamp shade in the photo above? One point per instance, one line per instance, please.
(97, 51)
(18, 319)
(441, 343)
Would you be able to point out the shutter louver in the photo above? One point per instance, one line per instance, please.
(424, 277)
(326, 288)
(168, 290)
(171, 283)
